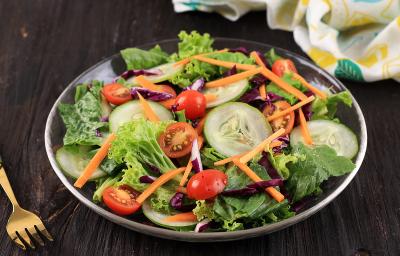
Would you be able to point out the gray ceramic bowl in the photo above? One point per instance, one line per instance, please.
(109, 68)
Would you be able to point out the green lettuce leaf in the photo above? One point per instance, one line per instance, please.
(317, 165)
(192, 44)
(209, 156)
(136, 58)
(83, 118)
(326, 109)
(204, 210)
(197, 69)
(271, 56)
(138, 139)
(280, 162)
(287, 96)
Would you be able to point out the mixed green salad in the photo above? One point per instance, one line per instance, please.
(205, 139)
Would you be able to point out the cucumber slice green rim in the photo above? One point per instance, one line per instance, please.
(73, 162)
(227, 93)
(168, 71)
(327, 132)
(132, 110)
(158, 218)
(234, 128)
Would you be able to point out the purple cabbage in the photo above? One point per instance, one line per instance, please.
(149, 94)
(98, 133)
(262, 185)
(240, 192)
(272, 97)
(307, 109)
(195, 122)
(195, 157)
(301, 204)
(272, 172)
(202, 225)
(258, 80)
(240, 49)
(198, 85)
(230, 72)
(154, 169)
(177, 202)
(147, 179)
(250, 96)
(137, 72)
(285, 143)
(104, 119)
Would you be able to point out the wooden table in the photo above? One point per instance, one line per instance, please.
(45, 44)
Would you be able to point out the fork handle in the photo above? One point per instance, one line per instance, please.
(7, 187)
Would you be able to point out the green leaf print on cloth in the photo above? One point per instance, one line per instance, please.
(346, 69)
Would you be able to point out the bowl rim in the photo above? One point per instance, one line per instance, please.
(209, 236)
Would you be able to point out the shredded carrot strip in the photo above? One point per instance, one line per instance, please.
(167, 103)
(282, 84)
(181, 217)
(186, 173)
(229, 159)
(187, 60)
(257, 58)
(200, 125)
(304, 128)
(158, 183)
(200, 141)
(147, 84)
(234, 78)
(181, 190)
(252, 175)
(276, 143)
(263, 92)
(226, 64)
(210, 97)
(148, 111)
(315, 90)
(292, 108)
(94, 162)
(261, 147)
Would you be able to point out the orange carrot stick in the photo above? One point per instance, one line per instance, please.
(261, 147)
(292, 108)
(187, 60)
(200, 126)
(95, 162)
(147, 84)
(315, 90)
(263, 92)
(234, 78)
(181, 217)
(226, 64)
(158, 183)
(276, 143)
(168, 103)
(253, 176)
(304, 128)
(229, 159)
(186, 173)
(210, 97)
(257, 58)
(148, 111)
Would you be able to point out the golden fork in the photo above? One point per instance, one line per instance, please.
(22, 225)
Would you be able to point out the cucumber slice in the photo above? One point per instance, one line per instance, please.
(326, 132)
(74, 159)
(168, 71)
(227, 93)
(235, 128)
(132, 110)
(158, 218)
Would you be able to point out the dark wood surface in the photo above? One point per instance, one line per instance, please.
(44, 44)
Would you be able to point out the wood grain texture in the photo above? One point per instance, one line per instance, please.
(46, 43)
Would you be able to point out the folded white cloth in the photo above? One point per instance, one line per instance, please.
(352, 39)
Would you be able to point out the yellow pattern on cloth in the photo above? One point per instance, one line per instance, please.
(352, 39)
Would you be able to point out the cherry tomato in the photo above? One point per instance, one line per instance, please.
(206, 184)
(116, 94)
(193, 102)
(121, 200)
(286, 122)
(282, 66)
(167, 89)
(177, 139)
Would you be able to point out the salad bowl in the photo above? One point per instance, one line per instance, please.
(111, 67)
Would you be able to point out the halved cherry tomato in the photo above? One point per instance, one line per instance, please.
(177, 139)
(282, 66)
(116, 94)
(121, 200)
(193, 102)
(206, 184)
(167, 89)
(282, 122)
